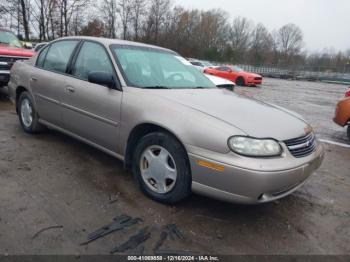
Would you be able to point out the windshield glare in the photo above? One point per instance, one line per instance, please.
(9, 39)
(236, 69)
(152, 68)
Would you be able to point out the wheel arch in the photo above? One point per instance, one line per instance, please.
(19, 91)
(140, 131)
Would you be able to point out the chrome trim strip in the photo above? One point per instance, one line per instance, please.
(303, 145)
(78, 110)
(83, 112)
(47, 99)
(17, 57)
(7, 72)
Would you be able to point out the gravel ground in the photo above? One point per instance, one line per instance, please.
(51, 180)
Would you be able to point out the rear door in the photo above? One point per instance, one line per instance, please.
(92, 111)
(47, 79)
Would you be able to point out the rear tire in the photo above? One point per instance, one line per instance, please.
(349, 132)
(28, 116)
(240, 81)
(154, 156)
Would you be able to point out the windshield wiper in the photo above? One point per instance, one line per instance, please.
(156, 87)
(1, 42)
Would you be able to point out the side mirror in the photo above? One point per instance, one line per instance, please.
(102, 78)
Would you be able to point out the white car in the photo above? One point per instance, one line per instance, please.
(200, 64)
(221, 82)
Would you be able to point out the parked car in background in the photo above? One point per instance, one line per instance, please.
(221, 82)
(235, 74)
(24, 44)
(342, 113)
(11, 50)
(174, 129)
(199, 64)
(218, 81)
(39, 46)
(347, 94)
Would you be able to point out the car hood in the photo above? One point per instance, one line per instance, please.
(7, 50)
(253, 117)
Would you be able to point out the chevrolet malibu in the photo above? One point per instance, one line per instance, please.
(175, 130)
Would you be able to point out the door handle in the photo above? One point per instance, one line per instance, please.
(33, 79)
(70, 89)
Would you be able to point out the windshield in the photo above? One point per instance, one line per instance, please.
(9, 39)
(236, 69)
(153, 68)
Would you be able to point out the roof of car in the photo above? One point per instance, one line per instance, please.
(110, 41)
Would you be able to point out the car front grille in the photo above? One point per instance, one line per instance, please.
(258, 78)
(302, 146)
(6, 62)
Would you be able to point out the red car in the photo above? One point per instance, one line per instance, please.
(11, 50)
(347, 94)
(235, 74)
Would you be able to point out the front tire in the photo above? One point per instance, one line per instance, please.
(161, 168)
(28, 117)
(240, 81)
(349, 132)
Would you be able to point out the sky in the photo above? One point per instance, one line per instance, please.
(325, 23)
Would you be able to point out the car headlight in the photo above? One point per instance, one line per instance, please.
(254, 147)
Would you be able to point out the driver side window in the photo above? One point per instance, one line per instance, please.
(92, 57)
(224, 69)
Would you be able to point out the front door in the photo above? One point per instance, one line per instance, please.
(92, 111)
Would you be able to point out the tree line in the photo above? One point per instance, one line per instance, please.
(205, 34)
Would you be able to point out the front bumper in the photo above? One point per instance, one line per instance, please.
(247, 186)
(4, 77)
(254, 82)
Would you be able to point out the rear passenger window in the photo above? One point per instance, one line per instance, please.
(58, 55)
(92, 57)
(41, 57)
